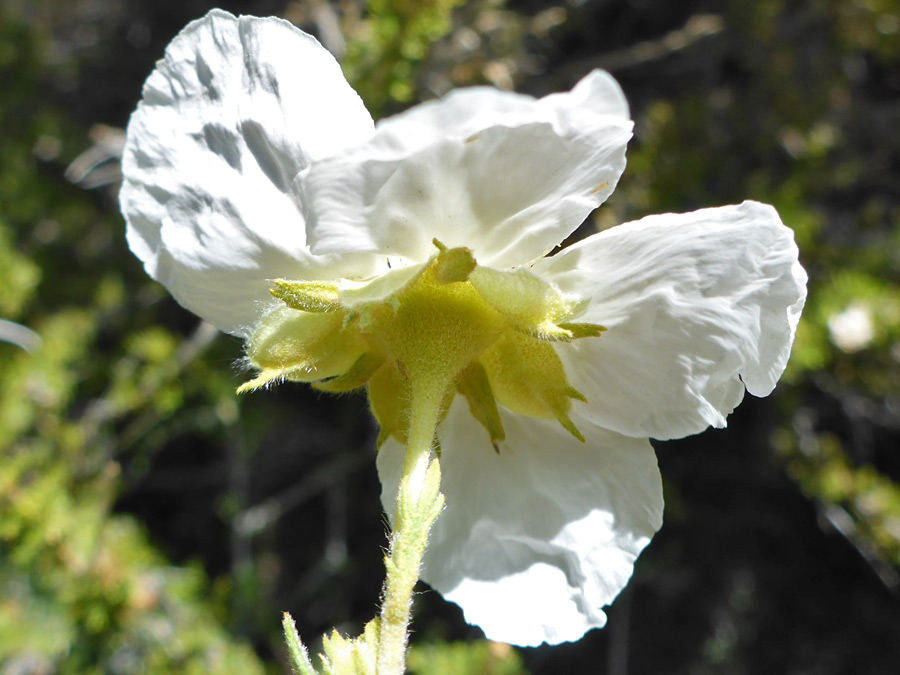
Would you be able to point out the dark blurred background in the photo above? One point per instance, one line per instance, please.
(151, 521)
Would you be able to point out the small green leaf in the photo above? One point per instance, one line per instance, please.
(299, 656)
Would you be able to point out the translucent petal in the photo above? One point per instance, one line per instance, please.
(697, 306)
(503, 174)
(537, 538)
(226, 122)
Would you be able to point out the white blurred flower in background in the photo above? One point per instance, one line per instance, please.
(852, 330)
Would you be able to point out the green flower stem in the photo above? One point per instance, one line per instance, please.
(419, 502)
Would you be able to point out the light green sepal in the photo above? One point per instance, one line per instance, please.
(345, 656)
(474, 385)
(577, 395)
(453, 264)
(263, 379)
(569, 426)
(533, 306)
(527, 376)
(309, 296)
(359, 373)
(390, 394)
(302, 346)
(576, 331)
(388, 398)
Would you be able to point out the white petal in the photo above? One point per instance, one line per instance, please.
(234, 111)
(694, 304)
(503, 174)
(535, 540)
(597, 93)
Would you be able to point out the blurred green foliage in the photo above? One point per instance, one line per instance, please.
(465, 658)
(387, 45)
(792, 103)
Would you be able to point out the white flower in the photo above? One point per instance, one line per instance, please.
(852, 330)
(250, 159)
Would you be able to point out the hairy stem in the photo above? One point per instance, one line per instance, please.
(419, 502)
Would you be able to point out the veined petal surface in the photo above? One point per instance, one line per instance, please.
(697, 306)
(535, 540)
(234, 111)
(503, 174)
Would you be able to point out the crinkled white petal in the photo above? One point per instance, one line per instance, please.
(535, 540)
(697, 306)
(503, 174)
(234, 111)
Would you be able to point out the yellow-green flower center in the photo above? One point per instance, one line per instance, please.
(446, 326)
